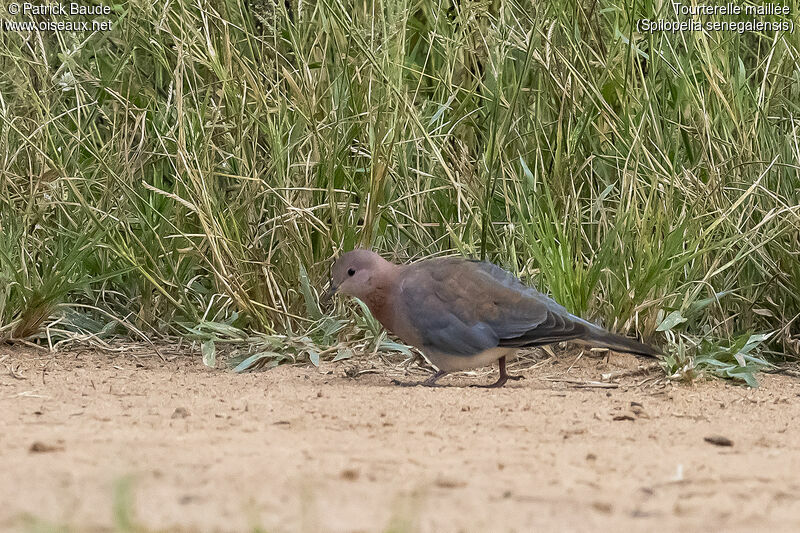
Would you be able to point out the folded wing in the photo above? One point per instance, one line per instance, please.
(462, 307)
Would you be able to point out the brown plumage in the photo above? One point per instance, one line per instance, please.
(464, 314)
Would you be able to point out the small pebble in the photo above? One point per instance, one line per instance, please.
(718, 440)
(180, 412)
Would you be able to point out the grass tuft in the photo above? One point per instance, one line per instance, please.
(203, 162)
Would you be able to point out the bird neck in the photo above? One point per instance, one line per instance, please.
(381, 299)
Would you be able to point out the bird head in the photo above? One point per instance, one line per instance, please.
(355, 273)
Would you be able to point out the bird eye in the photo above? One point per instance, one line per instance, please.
(351, 272)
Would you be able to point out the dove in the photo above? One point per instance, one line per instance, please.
(464, 313)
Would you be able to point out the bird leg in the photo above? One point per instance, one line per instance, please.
(430, 382)
(504, 376)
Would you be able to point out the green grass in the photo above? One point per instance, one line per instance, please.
(193, 164)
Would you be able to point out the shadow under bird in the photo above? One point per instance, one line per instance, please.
(464, 313)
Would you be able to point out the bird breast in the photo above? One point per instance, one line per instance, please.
(378, 302)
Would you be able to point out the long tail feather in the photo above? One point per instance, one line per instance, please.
(601, 338)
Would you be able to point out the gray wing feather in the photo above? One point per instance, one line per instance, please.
(439, 327)
(456, 338)
(463, 307)
(536, 320)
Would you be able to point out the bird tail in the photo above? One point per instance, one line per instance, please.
(604, 339)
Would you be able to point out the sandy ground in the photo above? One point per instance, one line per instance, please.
(305, 449)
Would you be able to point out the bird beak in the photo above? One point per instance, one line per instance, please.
(327, 296)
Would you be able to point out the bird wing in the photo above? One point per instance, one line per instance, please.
(463, 307)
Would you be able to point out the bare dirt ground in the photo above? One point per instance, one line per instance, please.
(306, 449)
